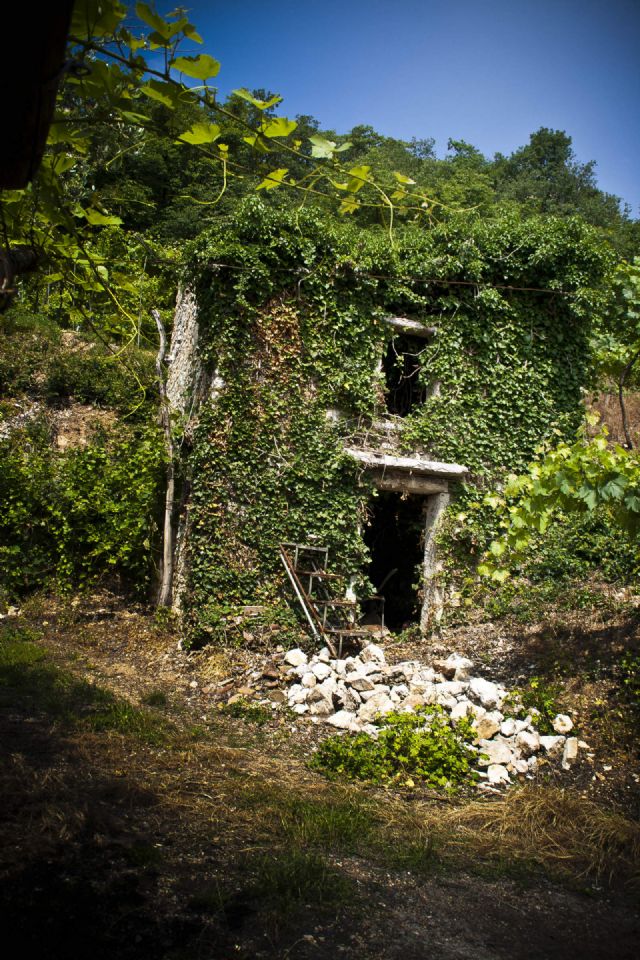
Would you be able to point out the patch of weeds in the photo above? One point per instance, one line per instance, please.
(144, 855)
(539, 696)
(339, 826)
(155, 698)
(165, 618)
(526, 873)
(17, 648)
(425, 746)
(244, 709)
(630, 670)
(29, 682)
(521, 601)
(197, 732)
(121, 717)
(288, 879)
(411, 634)
(210, 900)
(419, 857)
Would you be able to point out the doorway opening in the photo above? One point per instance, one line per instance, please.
(402, 370)
(395, 538)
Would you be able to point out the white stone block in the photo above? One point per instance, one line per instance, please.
(527, 742)
(321, 670)
(372, 653)
(343, 719)
(295, 657)
(497, 773)
(562, 723)
(570, 752)
(552, 745)
(489, 694)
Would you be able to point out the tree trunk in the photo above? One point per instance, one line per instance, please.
(623, 410)
(166, 570)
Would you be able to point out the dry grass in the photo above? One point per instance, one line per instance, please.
(564, 833)
(254, 791)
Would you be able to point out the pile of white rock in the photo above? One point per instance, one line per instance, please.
(350, 694)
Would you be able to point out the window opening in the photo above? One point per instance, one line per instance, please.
(402, 368)
(395, 538)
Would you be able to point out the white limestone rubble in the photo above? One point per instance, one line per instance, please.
(351, 694)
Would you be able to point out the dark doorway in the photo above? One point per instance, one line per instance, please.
(395, 538)
(403, 375)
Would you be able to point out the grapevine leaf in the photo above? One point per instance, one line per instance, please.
(200, 133)
(202, 67)
(273, 180)
(259, 104)
(278, 127)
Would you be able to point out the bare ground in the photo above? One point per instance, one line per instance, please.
(177, 831)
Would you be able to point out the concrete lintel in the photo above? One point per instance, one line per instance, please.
(413, 466)
(413, 327)
(398, 482)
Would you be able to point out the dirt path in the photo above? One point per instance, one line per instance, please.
(170, 830)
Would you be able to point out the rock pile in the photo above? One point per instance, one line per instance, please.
(349, 694)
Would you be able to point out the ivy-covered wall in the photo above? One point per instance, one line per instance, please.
(291, 315)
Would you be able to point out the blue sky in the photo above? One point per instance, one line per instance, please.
(487, 71)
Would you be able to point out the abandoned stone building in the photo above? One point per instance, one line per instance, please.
(333, 400)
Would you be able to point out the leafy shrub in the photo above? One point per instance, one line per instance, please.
(37, 361)
(245, 710)
(538, 695)
(76, 516)
(425, 746)
(631, 680)
(93, 376)
(578, 545)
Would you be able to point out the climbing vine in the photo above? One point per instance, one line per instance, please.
(292, 322)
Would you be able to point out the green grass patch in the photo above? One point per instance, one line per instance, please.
(341, 826)
(31, 683)
(155, 698)
(244, 709)
(420, 856)
(285, 880)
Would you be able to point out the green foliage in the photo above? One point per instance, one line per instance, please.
(138, 161)
(45, 363)
(617, 341)
(577, 545)
(77, 516)
(293, 878)
(540, 696)
(99, 378)
(571, 478)
(291, 309)
(244, 709)
(630, 671)
(30, 681)
(524, 601)
(424, 746)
